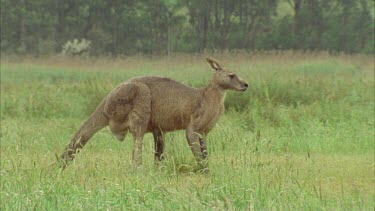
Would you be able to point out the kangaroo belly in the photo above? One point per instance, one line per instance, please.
(169, 119)
(172, 103)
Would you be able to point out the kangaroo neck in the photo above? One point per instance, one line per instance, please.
(215, 92)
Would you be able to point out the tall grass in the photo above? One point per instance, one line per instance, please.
(301, 137)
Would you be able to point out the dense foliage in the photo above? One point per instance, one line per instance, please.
(168, 26)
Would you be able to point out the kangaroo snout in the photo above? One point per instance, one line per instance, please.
(245, 86)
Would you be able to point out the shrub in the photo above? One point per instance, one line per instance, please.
(75, 47)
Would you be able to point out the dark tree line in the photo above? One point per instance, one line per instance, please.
(165, 26)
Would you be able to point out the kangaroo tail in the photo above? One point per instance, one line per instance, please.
(93, 124)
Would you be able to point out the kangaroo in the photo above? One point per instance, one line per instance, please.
(160, 105)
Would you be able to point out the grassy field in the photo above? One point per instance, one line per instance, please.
(301, 137)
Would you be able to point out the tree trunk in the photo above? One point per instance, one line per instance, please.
(298, 22)
(62, 12)
(22, 28)
(204, 30)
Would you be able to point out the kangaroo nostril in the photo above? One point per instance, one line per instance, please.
(247, 85)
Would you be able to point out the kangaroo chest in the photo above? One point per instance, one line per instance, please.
(211, 116)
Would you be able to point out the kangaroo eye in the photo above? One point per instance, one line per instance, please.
(231, 75)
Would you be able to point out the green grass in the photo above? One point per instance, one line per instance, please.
(301, 137)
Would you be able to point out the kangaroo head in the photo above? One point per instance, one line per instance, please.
(225, 78)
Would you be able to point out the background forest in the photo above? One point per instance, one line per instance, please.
(128, 27)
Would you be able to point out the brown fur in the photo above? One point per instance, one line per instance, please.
(159, 105)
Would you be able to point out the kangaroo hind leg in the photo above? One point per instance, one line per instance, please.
(119, 130)
(139, 119)
(119, 105)
(159, 145)
(129, 108)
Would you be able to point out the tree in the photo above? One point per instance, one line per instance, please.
(167, 26)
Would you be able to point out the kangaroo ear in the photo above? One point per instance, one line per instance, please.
(213, 63)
